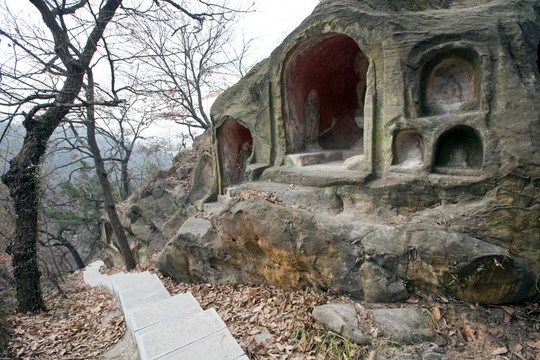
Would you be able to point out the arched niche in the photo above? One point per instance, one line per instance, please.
(408, 149)
(450, 83)
(324, 88)
(235, 147)
(459, 148)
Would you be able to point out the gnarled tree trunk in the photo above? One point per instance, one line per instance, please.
(23, 175)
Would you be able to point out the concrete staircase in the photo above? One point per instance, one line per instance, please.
(165, 326)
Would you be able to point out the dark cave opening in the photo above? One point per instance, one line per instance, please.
(324, 89)
(235, 147)
(460, 147)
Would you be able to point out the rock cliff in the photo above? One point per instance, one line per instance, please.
(384, 146)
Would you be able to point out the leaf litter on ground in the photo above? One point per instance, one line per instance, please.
(272, 323)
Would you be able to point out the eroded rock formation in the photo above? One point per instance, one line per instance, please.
(433, 106)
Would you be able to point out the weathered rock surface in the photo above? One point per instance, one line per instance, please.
(151, 217)
(188, 256)
(440, 103)
(341, 319)
(262, 242)
(380, 285)
(402, 325)
(407, 325)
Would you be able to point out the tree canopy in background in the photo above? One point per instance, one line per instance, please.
(52, 49)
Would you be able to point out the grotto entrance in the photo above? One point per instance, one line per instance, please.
(235, 147)
(324, 89)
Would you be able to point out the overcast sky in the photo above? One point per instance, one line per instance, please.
(273, 20)
(269, 23)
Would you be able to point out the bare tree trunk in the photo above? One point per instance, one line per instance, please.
(125, 190)
(72, 250)
(110, 207)
(23, 175)
(23, 189)
(23, 182)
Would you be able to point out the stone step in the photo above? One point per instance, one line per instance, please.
(133, 280)
(320, 175)
(169, 321)
(165, 326)
(178, 305)
(312, 158)
(224, 200)
(140, 290)
(95, 280)
(228, 348)
(144, 299)
(134, 284)
(164, 340)
(112, 279)
(314, 198)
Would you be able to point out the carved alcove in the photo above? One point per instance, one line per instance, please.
(459, 150)
(408, 149)
(450, 83)
(235, 147)
(324, 85)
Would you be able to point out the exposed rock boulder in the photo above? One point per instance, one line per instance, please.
(380, 285)
(402, 325)
(262, 242)
(342, 319)
(188, 256)
(151, 217)
(384, 146)
(407, 325)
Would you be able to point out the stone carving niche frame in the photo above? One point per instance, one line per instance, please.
(324, 87)
(446, 106)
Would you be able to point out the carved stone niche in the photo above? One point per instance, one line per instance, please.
(408, 149)
(451, 83)
(235, 148)
(459, 149)
(324, 89)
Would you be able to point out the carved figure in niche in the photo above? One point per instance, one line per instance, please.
(244, 152)
(409, 149)
(311, 121)
(460, 148)
(451, 82)
(359, 119)
(459, 158)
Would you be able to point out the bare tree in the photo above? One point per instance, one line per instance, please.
(47, 108)
(122, 128)
(185, 66)
(41, 83)
(110, 206)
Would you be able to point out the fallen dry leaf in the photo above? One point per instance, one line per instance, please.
(76, 326)
(443, 299)
(468, 334)
(437, 312)
(499, 351)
